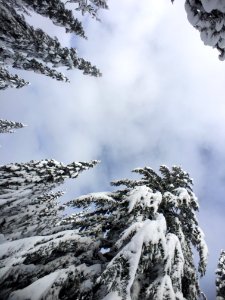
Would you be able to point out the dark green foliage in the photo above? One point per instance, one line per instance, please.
(34, 247)
(26, 48)
(8, 80)
(9, 126)
(160, 208)
(209, 21)
(220, 277)
(27, 207)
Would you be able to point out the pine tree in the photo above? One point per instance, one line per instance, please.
(220, 280)
(56, 266)
(8, 80)
(145, 233)
(90, 7)
(9, 126)
(38, 257)
(26, 207)
(56, 11)
(208, 17)
(24, 47)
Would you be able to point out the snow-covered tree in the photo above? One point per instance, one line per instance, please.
(9, 126)
(40, 259)
(27, 207)
(56, 266)
(8, 80)
(146, 233)
(90, 7)
(23, 47)
(220, 280)
(208, 16)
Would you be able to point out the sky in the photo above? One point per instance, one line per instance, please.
(160, 101)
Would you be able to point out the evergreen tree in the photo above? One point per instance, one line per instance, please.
(145, 233)
(38, 257)
(26, 207)
(90, 7)
(8, 80)
(220, 280)
(24, 47)
(55, 266)
(56, 11)
(208, 17)
(9, 126)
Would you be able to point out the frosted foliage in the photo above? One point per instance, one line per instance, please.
(146, 233)
(220, 277)
(9, 126)
(182, 199)
(92, 198)
(50, 286)
(23, 47)
(40, 259)
(41, 267)
(27, 206)
(39, 289)
(57, 12)
(143, 197)
(210, 5)
(91, 7)
(208, 17)
(134, 243)
(8, 80)
(161, 249)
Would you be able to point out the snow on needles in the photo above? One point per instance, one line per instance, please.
(210, 5)
(208, 17)
(151, 232)
(143, 196)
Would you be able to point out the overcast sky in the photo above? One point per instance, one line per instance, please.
(160, 101)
